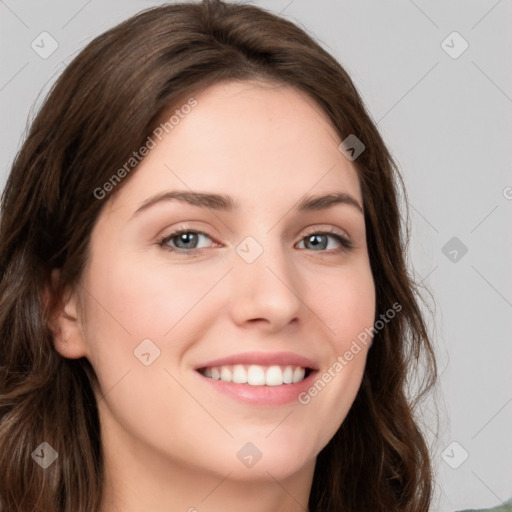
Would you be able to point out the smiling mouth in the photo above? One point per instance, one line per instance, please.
(257, 375)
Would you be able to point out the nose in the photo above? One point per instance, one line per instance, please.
(267, 291)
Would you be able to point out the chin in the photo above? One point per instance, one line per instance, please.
(261, 461)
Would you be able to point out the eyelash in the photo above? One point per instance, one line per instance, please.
(346, 244)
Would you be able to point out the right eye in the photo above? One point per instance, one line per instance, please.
(184, 237)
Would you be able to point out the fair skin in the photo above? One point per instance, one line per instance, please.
(170, 437)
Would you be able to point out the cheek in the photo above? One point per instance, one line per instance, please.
(346, 304)
(131, 299)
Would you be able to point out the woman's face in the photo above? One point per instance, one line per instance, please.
(269, 290)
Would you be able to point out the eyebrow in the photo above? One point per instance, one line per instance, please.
(222, 202)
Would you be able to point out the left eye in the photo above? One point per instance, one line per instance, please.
(320, 239)
(186, 240)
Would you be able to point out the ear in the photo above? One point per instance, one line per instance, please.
(64, 322)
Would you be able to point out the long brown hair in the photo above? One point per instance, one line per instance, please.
(101, 110)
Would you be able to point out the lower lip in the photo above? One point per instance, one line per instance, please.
(262, 395)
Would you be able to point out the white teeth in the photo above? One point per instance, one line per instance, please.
(225, 374)
(288, 375)
(298, 374)
(239, 374)
(274, 376)
(256, 375)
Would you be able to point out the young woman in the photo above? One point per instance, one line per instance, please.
(204, 302)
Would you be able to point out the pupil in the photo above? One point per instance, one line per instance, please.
(185, 236)
(314, 240)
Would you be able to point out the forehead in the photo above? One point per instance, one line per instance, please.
(249, 139)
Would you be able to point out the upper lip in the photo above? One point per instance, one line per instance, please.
(262, 359)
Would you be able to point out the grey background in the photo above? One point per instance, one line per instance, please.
(447, 122)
